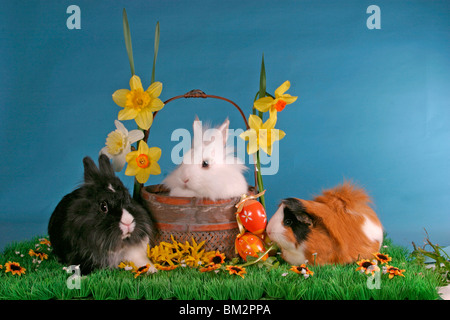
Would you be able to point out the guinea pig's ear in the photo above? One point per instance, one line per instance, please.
(296, 207)
(105, 165)
(90, 170)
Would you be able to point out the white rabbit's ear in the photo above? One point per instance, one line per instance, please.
(198, 132)
(224, 130)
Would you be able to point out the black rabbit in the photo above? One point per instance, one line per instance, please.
(99, 225)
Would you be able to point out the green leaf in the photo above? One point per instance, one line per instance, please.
(155, 53)
(262, 80)
(127, 36)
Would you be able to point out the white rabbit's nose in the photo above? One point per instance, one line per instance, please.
(185, 180)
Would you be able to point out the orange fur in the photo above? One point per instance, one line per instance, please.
(337, 235)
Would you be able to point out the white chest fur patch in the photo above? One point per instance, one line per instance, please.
(372, 231)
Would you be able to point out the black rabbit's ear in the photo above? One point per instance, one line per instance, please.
(90, 170)
(105, 165)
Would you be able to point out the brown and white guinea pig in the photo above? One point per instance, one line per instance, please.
(338, 225)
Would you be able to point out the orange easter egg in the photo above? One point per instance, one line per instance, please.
(253, 217)
(249, 245)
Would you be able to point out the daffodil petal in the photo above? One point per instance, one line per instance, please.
(120, 97)
(156, 105)
(155, 89)
(121, 127)
(255, 122)
(154, 153)
(132, 168)
(282, 89)
(272, 121)
(288, 98)
(135, 83)
(263, 104)
(130, 155)
(281, 134)
(135, 135)
(142, 175)
(155, 169)
(104, 151)
(252, 146)
(144, 119)
(143, 148)
(118, 162)
(127, 114)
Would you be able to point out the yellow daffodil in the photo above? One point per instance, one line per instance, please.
(262, 135)
(143, 162)
(137, 103)
(279, 103)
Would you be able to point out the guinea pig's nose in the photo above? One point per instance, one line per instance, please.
(186, 180)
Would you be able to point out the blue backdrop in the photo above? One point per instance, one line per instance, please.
(373, 104)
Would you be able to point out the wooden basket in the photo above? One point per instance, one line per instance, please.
(185, 218)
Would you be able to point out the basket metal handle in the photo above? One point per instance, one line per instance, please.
(196, 93)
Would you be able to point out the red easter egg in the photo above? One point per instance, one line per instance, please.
(253, 216)
(249, 245)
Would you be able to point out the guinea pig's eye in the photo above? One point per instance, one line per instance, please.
(288, 222)
(104, 207)
(205, 164)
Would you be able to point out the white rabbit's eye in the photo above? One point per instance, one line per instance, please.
(205, 164)
(104, 207)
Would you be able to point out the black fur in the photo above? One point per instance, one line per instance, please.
(82, 233)
(296, 218)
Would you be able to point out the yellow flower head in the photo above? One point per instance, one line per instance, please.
(262, 135)
(382, 258)
(366, 266)
(14, 268)
(139, 104)
(237, 270)
(143, 162)
(394, 271)
(279, 103)
(38, 253)
(302, 269)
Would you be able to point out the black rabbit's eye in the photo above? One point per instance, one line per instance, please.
(104, 207)
(205, 164)
(287, 222)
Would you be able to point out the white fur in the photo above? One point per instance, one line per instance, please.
(372, 231)
(138, 255)
(126, 224)
(294, 254)
(223, 179)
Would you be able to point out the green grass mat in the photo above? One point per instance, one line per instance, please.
(48, 280)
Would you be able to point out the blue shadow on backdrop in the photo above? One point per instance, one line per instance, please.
(373, 103)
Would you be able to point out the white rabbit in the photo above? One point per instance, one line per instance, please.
(209, 169)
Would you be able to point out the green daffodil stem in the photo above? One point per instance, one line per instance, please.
(260, 180)
(261, 94)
